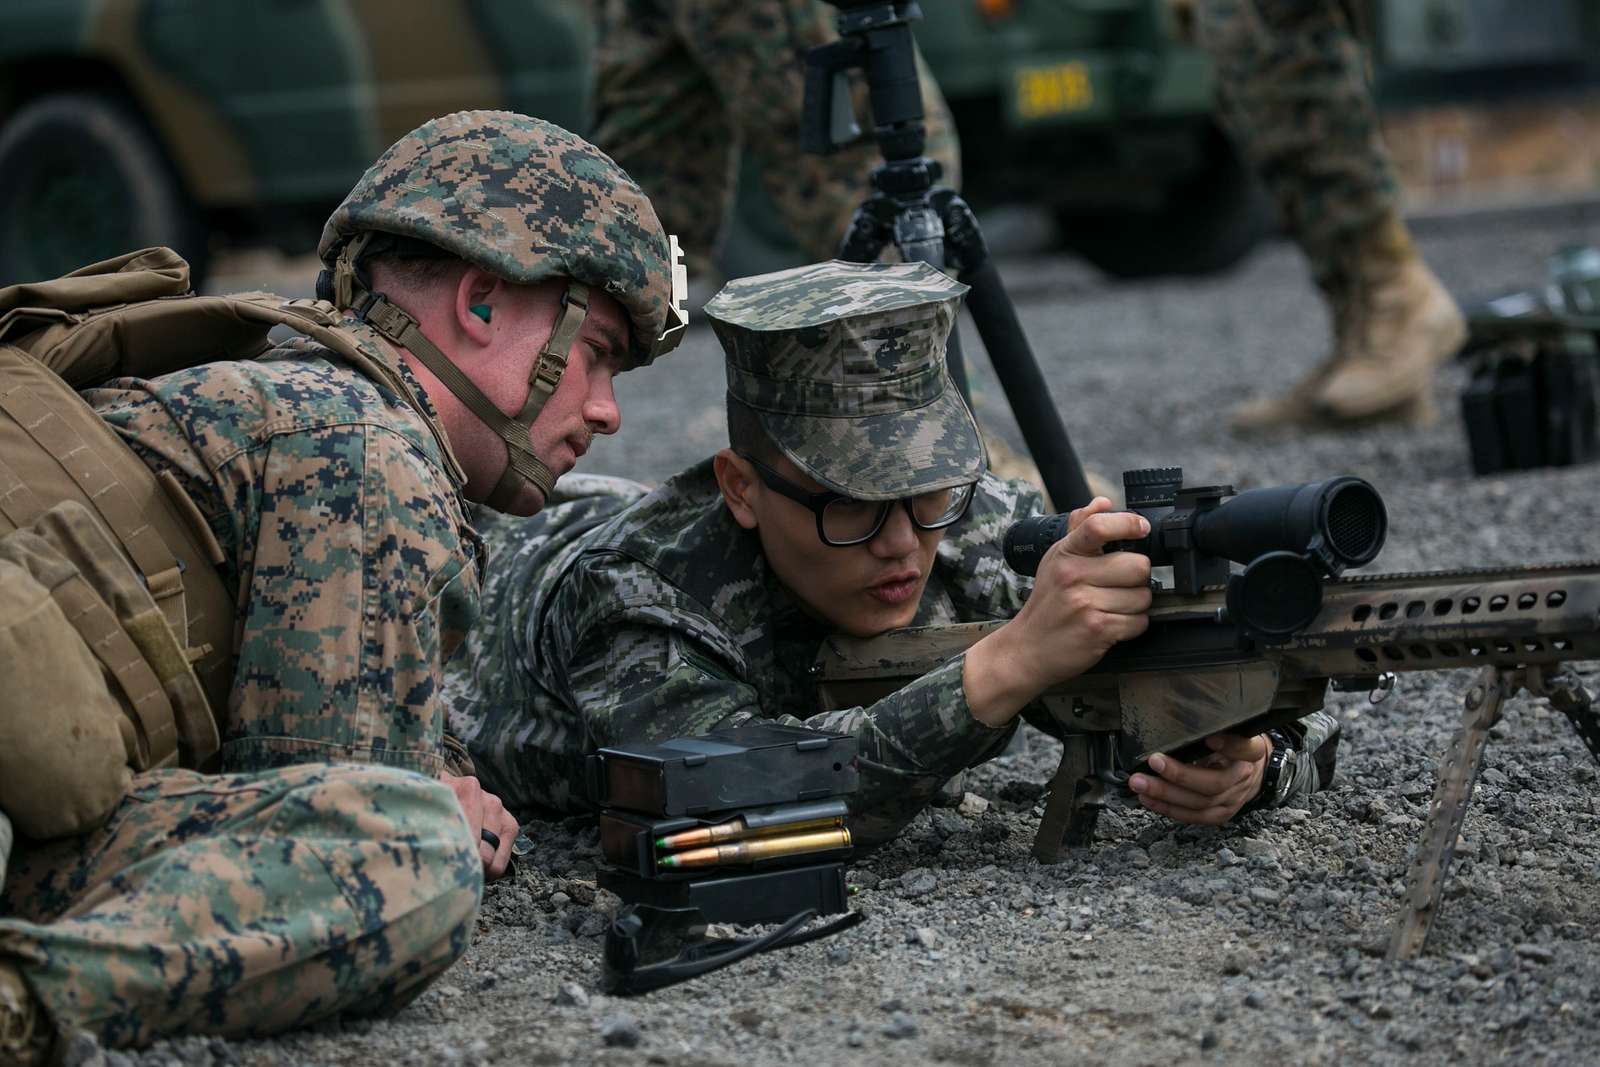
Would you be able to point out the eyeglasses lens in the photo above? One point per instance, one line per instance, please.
(933, 509)
(845, 520)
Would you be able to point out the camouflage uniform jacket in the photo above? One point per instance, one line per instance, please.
(354, 567)
(666, 621)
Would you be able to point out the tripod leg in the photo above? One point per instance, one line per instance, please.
(1452, 793)
(870, 229)
(1025, 388)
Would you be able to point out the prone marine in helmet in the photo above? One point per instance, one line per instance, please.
(495, 271)
(490, 247)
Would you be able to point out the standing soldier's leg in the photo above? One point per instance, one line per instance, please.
(1293, 89)
(754, 52)
(658, 115)
(242, 905)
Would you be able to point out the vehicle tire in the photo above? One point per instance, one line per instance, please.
(1205, 223)
(81, 180)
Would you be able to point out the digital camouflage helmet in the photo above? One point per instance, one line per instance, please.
(843, 364)
(526, 201)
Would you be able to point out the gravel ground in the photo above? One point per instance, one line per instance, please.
(1262, 940)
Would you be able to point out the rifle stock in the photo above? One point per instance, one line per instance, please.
(1192, 674)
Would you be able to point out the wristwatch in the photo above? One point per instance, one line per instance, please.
(1278, 778)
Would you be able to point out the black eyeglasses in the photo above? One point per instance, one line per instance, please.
(843, 520)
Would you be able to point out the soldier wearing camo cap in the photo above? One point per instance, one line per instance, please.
(327, 865)
(853, 498)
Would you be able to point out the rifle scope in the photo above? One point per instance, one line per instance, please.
(1288, 538)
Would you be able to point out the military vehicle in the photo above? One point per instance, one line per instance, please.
(125, 123)
(1101, 111)
(129, 123)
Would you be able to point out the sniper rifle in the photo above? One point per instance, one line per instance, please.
(1244, 652)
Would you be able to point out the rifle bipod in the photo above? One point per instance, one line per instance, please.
(1458, 772)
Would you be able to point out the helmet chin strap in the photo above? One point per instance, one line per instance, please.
(392, 322)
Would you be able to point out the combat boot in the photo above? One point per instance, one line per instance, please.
(1296, 408)
(24, 1034)
(1405, 325)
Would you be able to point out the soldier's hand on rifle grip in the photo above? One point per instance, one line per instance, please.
(1083, 602)
(1211, 790)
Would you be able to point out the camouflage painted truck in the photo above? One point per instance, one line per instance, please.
(130, 123)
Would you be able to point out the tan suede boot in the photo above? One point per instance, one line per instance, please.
(24, 1034)
(1296, 409)
(1404, 326)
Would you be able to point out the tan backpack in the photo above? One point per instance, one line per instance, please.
(116, 628)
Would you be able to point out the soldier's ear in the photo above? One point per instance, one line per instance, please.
(737, 480)
(477, 289)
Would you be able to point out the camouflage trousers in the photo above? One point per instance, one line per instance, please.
(683, 86)
(244, 905)
(1294, 90)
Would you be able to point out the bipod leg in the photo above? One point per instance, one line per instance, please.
(1073, 808)
(1452, 793)
(1567, 695)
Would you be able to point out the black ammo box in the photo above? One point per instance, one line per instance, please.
(1534, 396)
(722, 771)
(761, 897)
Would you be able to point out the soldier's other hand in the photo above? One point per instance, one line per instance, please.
(1211, 790)
(484, 811)
(1083, 602)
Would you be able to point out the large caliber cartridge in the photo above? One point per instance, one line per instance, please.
(791, 819)
(757, 849)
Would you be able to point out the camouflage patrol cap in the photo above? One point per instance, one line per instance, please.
(524, 200)
(843, 364)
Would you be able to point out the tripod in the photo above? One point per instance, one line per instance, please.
(928, 222)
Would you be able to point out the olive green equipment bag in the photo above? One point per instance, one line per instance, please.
(116, 627)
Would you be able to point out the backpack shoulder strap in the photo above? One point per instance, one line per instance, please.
(166, 333)
(318, 320)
